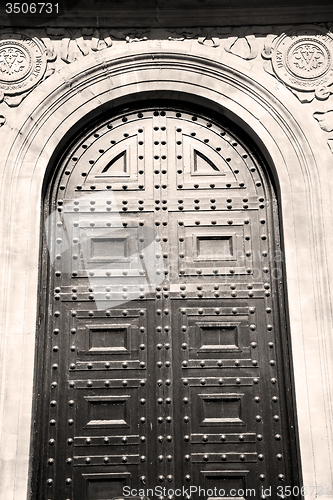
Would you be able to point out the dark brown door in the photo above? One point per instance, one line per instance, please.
(165, 345)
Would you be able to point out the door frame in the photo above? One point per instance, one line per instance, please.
(46, 295)
(286, 137)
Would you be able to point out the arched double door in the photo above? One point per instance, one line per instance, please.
(165, 350)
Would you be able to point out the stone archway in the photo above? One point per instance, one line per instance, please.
(53, 112)
(164, 349)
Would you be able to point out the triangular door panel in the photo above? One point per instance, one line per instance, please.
(202, 159)
(118, 161)
(203, 165)
(118, 166)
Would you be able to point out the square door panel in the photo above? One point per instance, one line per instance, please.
(112, 248)
(212, 244)
(113, 409)
(108, 339)
(115, 337)
(224, 484)
(227, 408)
(218, 336)
(102, 485)
(212, 333)
(214, 247)
(108, 411)
(116, 248)
(220, 408)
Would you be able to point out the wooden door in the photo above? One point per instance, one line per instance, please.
(166, 353)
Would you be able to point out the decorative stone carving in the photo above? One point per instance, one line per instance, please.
(210, 37)
(71, 46)
(325, 121)
(242, 43)
(23, 64)
(26, 60)
(302, 58)
(85, 41)
(205, 36)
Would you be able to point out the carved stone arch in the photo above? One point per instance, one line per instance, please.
(54, 109)
(167, 155)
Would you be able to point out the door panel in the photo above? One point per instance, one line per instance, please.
(164, 340)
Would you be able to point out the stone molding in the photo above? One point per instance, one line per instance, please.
(274, 48)
(299, 161)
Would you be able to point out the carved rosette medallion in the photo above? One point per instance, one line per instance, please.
(23, 63)
(302, 58)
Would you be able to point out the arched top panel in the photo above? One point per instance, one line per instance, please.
(119, 154)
